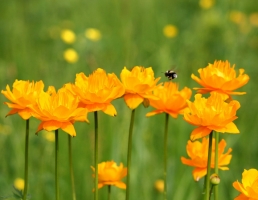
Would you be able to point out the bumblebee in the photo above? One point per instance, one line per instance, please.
(170, 74)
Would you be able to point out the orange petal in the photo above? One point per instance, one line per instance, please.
(199, 173)
(155, 112)
(68, 128)
(110, 110)
(200, 132)
(133, 100)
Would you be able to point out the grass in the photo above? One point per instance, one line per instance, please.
(31, 49)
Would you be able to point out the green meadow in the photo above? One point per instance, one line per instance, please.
(131, 34)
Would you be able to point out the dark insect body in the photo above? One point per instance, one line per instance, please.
(170, 74)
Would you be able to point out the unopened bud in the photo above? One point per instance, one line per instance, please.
(214, 179)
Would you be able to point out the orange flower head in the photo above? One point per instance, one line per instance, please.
(222, 78)
(139, 85)
(211, 114)
(249, 185)
(170, 99)
(58, 110)
(198, 153)
(22, 97)
(97, 91)
(110, 174)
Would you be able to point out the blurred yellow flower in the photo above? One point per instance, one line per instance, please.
(170, 31)
(159, 185)
(220, 77)
(68, 36)
(170, 99)
(22, 97)
(211, 114)
(248, 187)
(206, 4)
(93, 34)
(49, 136)
(139, 84)
(58, 110)
(97, 91)
(237, 17)
(19, 183)
(198, 153)
(254, 19)
(71, 56)
(110, 174)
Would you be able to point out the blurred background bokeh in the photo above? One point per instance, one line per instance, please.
(53, 40)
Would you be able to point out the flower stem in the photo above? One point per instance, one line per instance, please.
(71, 166)
(165, 155)
(207, 178)
(96, 154)
(26, 160)
(216, 187)
(109, 191)
(129, 154)
(56, 164)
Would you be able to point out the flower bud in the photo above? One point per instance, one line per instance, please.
(214, 179)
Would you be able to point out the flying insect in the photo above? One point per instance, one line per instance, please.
(170, 74)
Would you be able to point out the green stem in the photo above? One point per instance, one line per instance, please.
(96, 155)
(109, 191)
(71, 166)
(56, 164)
(129, 154)
(26, 160)
(165, 155)
(207, 178)
(216, 187)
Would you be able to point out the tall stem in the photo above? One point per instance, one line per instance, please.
(56, 164)
(71, 166)
(26, 159)
(216, 187)
(109, 191)
(165, 155)
(96, 154)
(129, 154)
(207, 178)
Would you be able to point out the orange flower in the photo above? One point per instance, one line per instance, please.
(198, 152)
(58, 110)
(220, 77)
(170, 100)
(248, 188)
(211, 114)
(97, 91)
(111, 174)
(139, 84)
(23, 95)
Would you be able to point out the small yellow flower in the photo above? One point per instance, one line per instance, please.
(71, 56)
(68, 36)
(159, 185)
(206, 4)
(170, 31)
(237, 17)
(93, 34)
(49, 136)
(110, 174)
(254, 19)
(19, 183)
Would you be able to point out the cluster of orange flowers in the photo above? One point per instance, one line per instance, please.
(97, 91)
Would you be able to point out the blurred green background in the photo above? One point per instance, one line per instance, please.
(131, 33)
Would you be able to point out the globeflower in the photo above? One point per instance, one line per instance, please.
(248, 187)
(97, 91)
(170, 99)
(58, 110)
(198, 153)
(139, 84)
(23, 95)
(220, 77)
(110, 174)
(211, 114)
